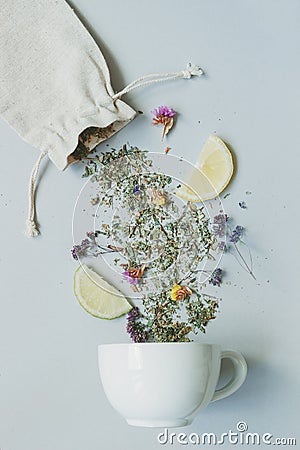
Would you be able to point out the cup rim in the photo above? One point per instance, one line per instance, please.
(161, 344)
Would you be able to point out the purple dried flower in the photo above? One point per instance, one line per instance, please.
(134, 327)
(216, 277)
(89, 247)
(236, 234)
(219, 225)
(79, 250)
(221, 247)
(136, 190)
(221, 218)
(163, 111)
(91, 235)
(75, 251)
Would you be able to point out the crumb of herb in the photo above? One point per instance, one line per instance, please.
(243, 205)
(94, 200)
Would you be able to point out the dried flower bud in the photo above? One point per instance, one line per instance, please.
(137, 273)
(158, 197)
(179, 292)
(165, 116)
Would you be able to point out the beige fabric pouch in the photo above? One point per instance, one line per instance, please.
(55, 88)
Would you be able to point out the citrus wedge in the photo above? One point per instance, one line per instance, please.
(211, 174)
(97, 296)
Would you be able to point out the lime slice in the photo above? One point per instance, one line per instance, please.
(211, 174)
(97, 296)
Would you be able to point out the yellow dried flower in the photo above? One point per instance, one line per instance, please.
(179, 292)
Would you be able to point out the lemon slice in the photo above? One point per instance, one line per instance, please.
(97, 296)
(211, 174)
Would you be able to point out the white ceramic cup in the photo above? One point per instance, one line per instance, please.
(165, 384)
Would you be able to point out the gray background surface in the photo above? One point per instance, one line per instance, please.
(50, 394)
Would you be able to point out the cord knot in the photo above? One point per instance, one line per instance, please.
(192, 70)
(31, 228)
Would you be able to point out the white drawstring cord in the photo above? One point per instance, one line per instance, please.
(190, 71)
(32, 228)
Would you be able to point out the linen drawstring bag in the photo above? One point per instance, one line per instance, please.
(55, 88)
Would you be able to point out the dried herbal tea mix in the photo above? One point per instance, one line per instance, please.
(162, 245)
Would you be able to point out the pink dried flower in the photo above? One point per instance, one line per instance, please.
(133, 275)
(128, 277)
(165, 116)
(163, 111)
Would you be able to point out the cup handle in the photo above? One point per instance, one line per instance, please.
(238, 377)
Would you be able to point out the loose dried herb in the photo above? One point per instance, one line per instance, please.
(161, 246)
